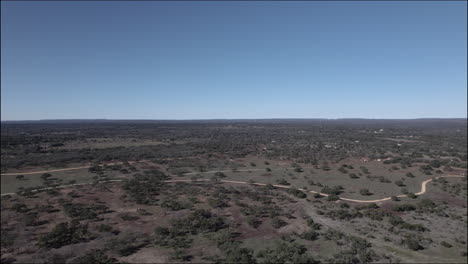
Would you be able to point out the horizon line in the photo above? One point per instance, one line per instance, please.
(224, 119)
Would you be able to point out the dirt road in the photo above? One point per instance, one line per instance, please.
(423, 184)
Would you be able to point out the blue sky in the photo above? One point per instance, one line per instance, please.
(204, 60)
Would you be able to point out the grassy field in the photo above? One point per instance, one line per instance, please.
(270, 172)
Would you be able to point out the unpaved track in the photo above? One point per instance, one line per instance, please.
(83, 167)
(66, 169)
(423, 184)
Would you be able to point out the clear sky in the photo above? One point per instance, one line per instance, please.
(204, 60)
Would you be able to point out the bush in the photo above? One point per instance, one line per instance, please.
(31, 219)
(412, 244)
(20, 207)
(285, 252)
(128, 217)
(253, 221)
(313, 225)
(404, 207)
(353, 176)
(309, 235)
(220, 174)
(65, 234)
(365, 192)
(104, 228)
(200, 221)
(144, 188)
(127, 244)
(7, 239)
(333, 197)
(81, 211)
(278, 223)
(297, 193)
(180, 255)
(282, 182)
(235, 254)
(332, 234)
(171, 237)
(95, 256)
(175, 205)
(298, 169)
(332, 190)
(45, 176)
(399, 183)
(445, 244)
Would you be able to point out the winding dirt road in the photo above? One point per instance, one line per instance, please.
(423, 184)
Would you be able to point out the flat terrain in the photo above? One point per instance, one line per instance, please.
(235, 193)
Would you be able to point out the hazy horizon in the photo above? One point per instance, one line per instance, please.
(233, 60)
(234, 119)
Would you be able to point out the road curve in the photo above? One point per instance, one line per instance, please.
(423, 186)
(65, 169)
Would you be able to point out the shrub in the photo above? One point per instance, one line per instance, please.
(95, 256)
(81, 211)
(278, 223)
(298, 169)
(6, 239)
(45, 176)
(332, 190)
(127, 244)
(282, 182)
(144, 188)
(342, 170)
(399, 183)
(200, 221)
(31, 219)
(220, 174)
(174, 205)
(180, 255)
(285, 252)
(235, 254)
(413, 227)
(65, 234)
(104, 228)
(128, 217)
(353, 176)
(404, 207)
(412, 244)
(253, 221)
(365, 192)
(445, 244)
(20, 207)
(310, 235)
(333, 197)
(343, 214)
(297, 193)
(317, 195)
(313, 225)
(171, 237)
